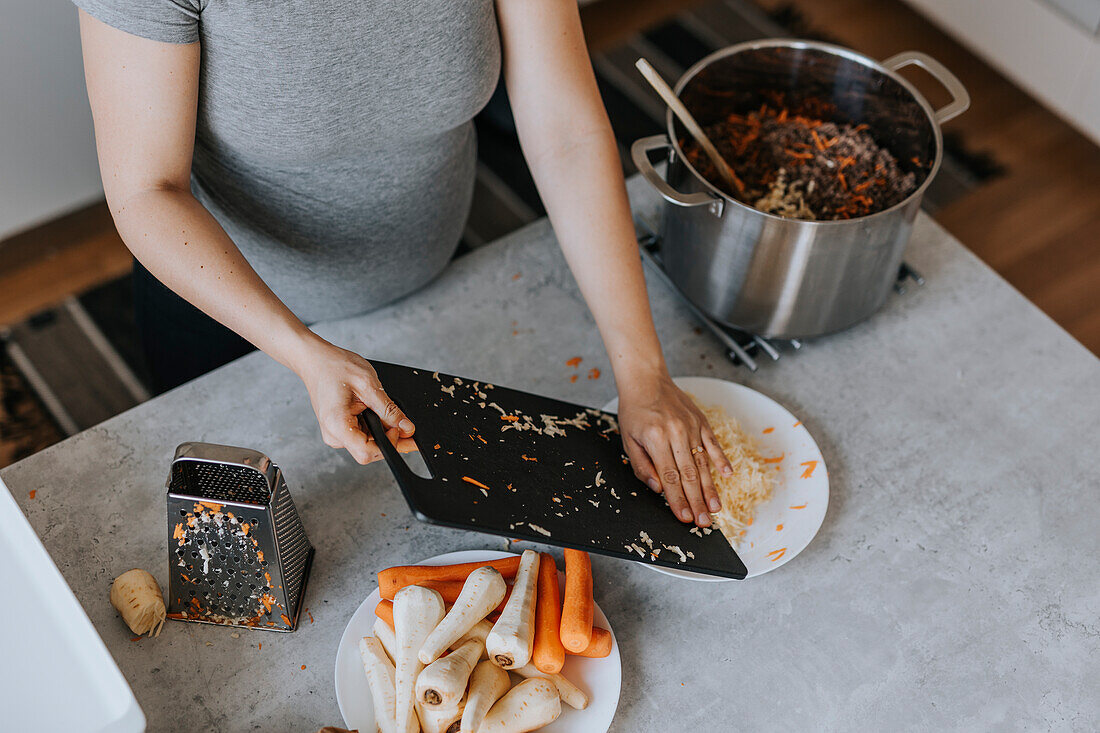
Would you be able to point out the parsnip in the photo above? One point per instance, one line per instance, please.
(384, 634)
(440, 719)
(571, 695)
(529, 705)
(480, 631)
(137, 596)
(510, 642)
(380, 677)
(483, 591)
(416, 612)
(443, 682)
(487, 684)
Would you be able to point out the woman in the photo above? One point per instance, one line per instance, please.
(281, 163)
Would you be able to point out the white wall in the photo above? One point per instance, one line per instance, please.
(47, 154)
(1052, 54)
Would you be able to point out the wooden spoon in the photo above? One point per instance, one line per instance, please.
(692, 126)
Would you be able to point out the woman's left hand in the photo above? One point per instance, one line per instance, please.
(671, 446)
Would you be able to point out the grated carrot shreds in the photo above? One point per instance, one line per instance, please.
(750, 484)
(475, 482)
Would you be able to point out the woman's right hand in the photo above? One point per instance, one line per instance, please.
(342, 385)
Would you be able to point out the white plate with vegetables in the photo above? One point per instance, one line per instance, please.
(782, 526)
(597, 679)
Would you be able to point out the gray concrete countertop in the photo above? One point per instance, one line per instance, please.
(955, 583)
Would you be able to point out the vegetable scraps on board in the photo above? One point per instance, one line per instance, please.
(424, 664)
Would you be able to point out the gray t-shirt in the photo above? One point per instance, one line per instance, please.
(334, 141)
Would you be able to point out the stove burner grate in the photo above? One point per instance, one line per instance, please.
(742, 348)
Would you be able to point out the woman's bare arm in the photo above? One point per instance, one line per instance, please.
(569, 146)
(144, 97)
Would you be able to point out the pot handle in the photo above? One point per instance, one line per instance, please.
(640, 150)
(960, 98)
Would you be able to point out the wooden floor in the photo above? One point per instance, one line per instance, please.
(1037, 225)
(45, 265)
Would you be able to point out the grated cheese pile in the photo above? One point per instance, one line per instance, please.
(750, 483)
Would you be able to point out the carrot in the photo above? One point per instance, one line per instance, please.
(577, 609)
(450, 590)
(599, 647)
(384, 611)
(549, 654)
(394, 579)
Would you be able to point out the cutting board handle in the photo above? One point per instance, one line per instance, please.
(406, 479)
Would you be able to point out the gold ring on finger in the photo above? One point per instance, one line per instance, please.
(697, 450)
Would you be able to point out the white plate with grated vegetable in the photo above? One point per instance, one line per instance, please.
(778, 451)
(600, 679)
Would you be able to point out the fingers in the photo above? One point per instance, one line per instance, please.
(643, 467)
(714, 451)
(691, 480)
(344, 432)
(669, 475)
(364, 449)
(403, 445)
(710, 493)
(406, 445)
(370, 391)
(340, 392)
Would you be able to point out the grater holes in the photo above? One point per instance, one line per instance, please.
(226, 557)
(220, 482)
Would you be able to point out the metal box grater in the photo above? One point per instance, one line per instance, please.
(238, 553)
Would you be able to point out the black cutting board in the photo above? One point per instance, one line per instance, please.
(527, 467)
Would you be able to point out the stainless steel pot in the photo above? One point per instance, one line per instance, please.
(788, 278)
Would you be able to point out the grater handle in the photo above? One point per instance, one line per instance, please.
(406, 479)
